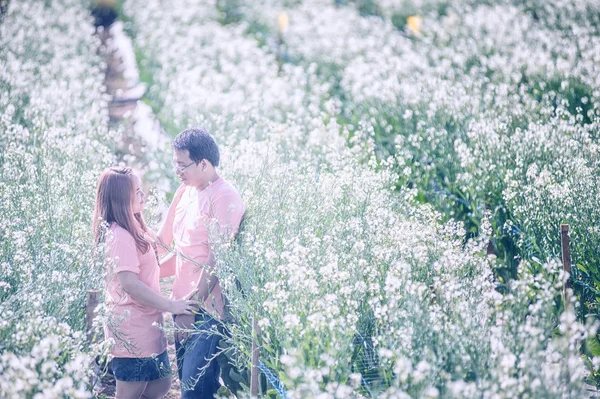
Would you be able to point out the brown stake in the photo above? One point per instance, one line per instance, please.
(90, 312)
(566, 252)
(255, 352)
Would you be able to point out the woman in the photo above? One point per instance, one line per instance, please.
(134, 303)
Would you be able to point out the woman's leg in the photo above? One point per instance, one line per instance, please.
(130, 390)
(157, 389)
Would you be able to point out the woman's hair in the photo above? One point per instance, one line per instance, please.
(114, 204)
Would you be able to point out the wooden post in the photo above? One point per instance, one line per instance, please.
(566, 252)
(255, 352)
(90, 312)
(91, 304)
(490, 250)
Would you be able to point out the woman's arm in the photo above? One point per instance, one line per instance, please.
(139, 291)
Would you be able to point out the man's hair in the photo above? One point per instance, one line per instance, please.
(200, 145)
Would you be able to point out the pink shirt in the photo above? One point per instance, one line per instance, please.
(133, 326)
(218, 203)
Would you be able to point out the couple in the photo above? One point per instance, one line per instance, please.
(135, 305)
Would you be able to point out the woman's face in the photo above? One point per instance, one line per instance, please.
(139, 196)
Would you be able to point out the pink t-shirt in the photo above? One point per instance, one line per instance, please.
(218, 203)
(133, 326)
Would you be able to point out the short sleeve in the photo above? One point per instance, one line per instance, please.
(228, 210)
(123, 251)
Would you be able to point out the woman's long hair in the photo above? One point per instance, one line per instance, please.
(115, 197)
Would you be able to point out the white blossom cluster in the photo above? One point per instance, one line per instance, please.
(54, 142)
(320, 111)
(473, 100)
(359, 290)
(454, 98)
(56, 363)
(479, 96)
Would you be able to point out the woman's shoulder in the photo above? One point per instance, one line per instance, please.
(121, 235)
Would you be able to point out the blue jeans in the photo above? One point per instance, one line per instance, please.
(199, 378)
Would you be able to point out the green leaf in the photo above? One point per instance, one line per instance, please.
(582, 268)
(268, 348)
(593, 346)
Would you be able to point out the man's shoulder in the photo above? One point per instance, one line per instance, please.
(227, 192)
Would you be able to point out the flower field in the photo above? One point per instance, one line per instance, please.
(54, 140)
(379, 147)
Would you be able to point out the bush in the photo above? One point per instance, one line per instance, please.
(359, 289)
(55, 141)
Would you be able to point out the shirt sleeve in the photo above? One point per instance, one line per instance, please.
(124, 253)
(227, 211)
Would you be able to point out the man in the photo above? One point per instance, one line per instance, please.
(203, 200)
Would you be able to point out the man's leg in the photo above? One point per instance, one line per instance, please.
(179, 355)
(199, 372)
(232, 377)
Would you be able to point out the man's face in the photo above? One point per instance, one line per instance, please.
(190, 173)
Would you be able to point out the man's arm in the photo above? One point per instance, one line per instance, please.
(207, 280)
(168, 265)
(227, 211)
(206, 283)
(165, 233)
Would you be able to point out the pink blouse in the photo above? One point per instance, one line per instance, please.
(134, 327)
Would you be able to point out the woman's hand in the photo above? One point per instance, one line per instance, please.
(185, 321)
(183, 307)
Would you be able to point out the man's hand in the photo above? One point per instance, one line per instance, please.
(183, 323)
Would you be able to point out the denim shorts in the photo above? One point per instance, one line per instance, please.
(141, 368)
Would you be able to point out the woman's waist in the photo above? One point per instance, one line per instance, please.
(132, 308)
(131, 345)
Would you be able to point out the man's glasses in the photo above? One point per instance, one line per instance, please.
(179, 168)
